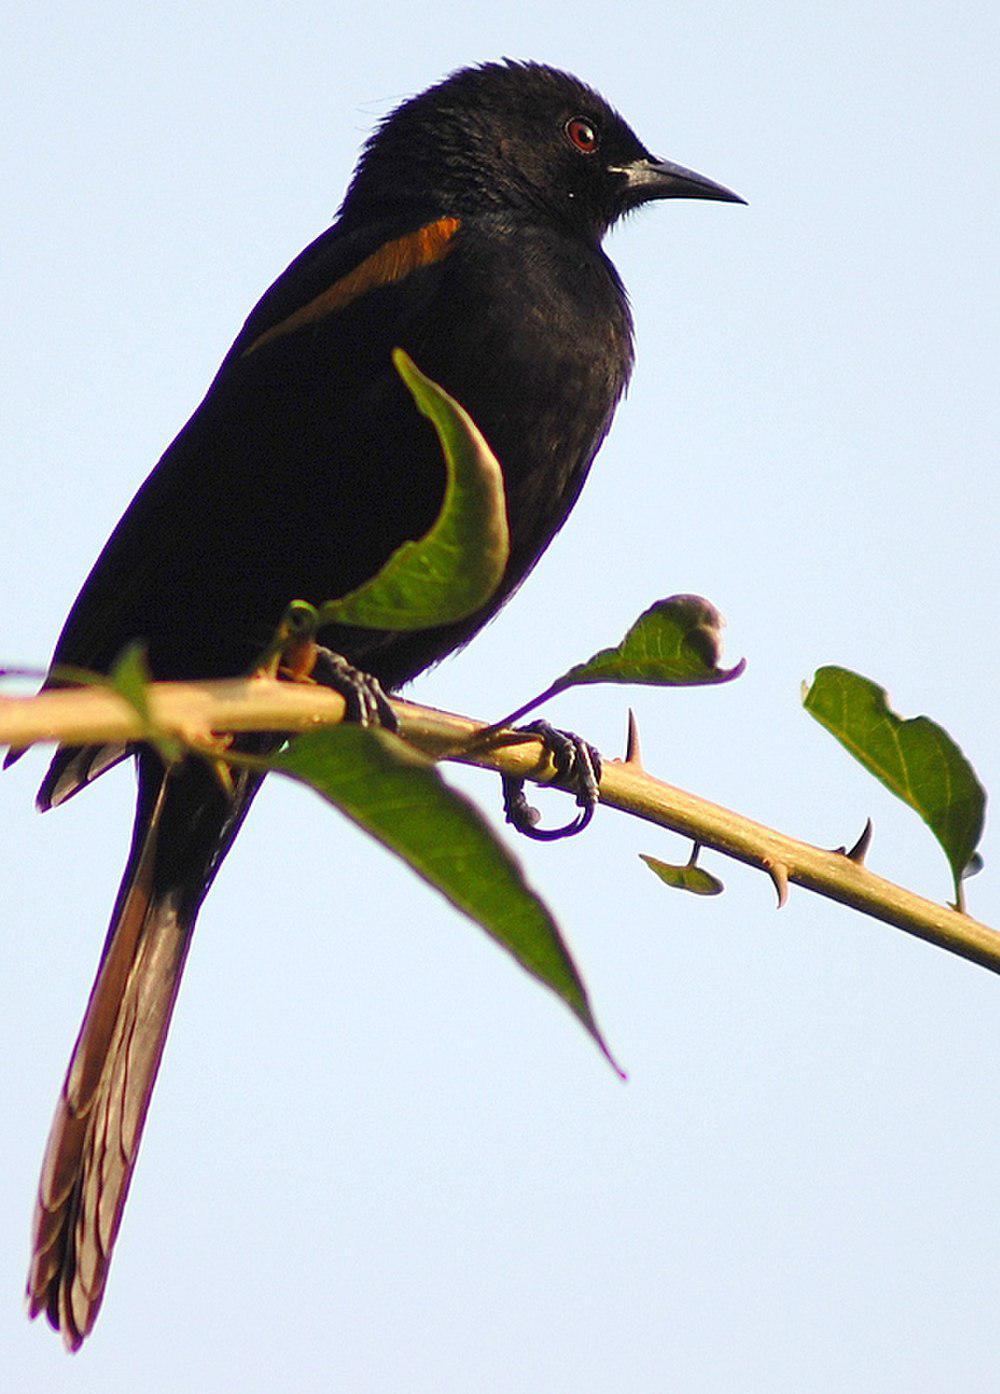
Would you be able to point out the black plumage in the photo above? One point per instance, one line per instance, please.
(470, 236)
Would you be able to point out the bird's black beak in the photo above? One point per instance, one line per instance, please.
(649, 178)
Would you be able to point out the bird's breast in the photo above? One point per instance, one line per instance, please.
(538, 349)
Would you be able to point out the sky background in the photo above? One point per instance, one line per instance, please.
(380, 1157)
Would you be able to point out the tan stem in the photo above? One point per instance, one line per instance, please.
(195, 711)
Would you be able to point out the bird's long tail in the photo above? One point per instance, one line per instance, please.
(95, 1135)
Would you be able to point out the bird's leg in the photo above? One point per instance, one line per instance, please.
(577, 765)
(364, 699)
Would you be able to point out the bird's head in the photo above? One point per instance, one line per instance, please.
(521, 139)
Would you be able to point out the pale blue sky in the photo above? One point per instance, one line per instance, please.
(380, 1158)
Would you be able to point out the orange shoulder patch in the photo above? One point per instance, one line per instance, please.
(392, 262)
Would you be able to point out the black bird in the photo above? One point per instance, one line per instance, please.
(470, 236)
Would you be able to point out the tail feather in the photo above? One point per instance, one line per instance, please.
(95, 1135)
(185, 824)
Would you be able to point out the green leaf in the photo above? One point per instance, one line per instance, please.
(397, 796)
(456, 567)
(675, 643)
(130, 678)
(688, 877)
(915, 758)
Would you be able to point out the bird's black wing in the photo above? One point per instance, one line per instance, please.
(302, 470)
(268, 491)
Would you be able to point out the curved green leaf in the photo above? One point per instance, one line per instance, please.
(688, 877)
(677, 642)
(914, 758)
(455, 568)
(397, 796)
(130, 678)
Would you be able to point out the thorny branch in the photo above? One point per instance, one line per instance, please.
(198, 712)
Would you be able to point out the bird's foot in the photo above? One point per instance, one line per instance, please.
(577, 765)
(365, 702)
(364, 699)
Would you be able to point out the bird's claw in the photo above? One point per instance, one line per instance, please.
(365, 702)
(577, 764)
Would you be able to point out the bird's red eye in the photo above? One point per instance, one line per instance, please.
(582, 134)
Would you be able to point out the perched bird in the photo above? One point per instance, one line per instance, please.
(470, 236)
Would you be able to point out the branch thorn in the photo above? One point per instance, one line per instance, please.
(633, 752)
(778, 873)
(860, 848)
